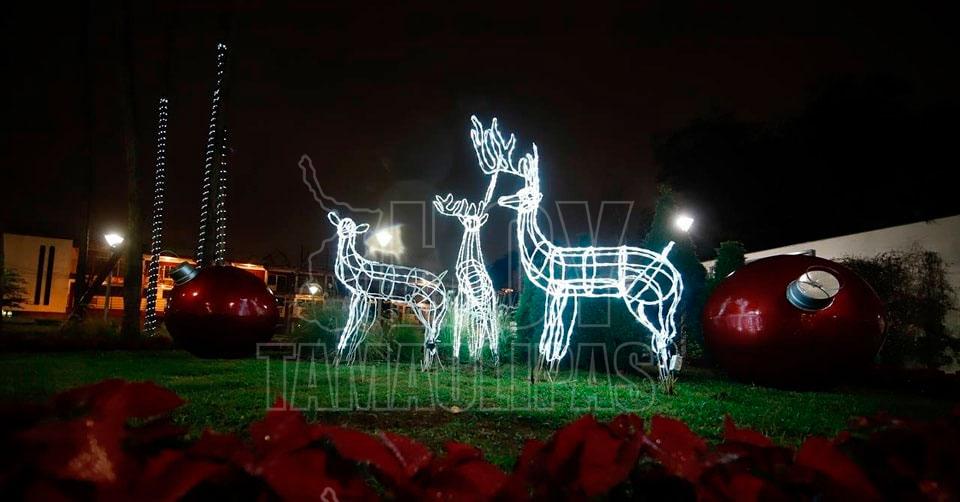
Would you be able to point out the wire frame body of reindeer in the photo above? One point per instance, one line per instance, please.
(475, 304)
(369, 282)
(645, 280)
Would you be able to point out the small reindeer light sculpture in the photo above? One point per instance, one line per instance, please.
(475, 305)
(645, 280)
(369, 281)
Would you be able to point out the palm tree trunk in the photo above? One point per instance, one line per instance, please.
(83, 239)
(133, 240)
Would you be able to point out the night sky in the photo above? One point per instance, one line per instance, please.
(381, 98)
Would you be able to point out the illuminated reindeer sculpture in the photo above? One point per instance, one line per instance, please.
(646, 281)
(475, 306)
(369, 281)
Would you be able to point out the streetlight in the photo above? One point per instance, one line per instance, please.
(313, 288)
(113, 240)
(386, 241)
(683, 222)
(383, 238)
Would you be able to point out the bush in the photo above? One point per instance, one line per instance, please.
(506, 339)
(913, 287)
(321, 324)
(508, 342)
(390, 334)
(608, 322)
(731, 255)
(92, 333)
(600, 321)
(529, 321)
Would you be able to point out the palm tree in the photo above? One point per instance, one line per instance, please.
(133, 252)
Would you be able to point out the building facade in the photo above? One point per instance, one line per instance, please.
(46, 265)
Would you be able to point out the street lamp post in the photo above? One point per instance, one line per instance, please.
(113, 240)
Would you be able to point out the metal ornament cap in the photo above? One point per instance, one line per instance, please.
(183, 273)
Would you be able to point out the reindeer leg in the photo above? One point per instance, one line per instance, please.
(662, 334)
(350, 329)
(551, 339)
(364, 323)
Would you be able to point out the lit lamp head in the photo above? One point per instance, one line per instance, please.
(683, 222)
(383, 237)
(313, 288)
(113, 239)
(386, 241)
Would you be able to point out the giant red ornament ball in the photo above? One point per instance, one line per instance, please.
(220, 311)
(793, 320)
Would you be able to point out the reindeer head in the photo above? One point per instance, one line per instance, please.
(527, 199)
(346, 227)
(470, 214)
(495, 156)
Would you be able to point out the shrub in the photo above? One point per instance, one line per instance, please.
(321, 324)
(913, 286)
(508, 343)
(529, 320)
(505, 342)
(608, 322)
(389, 335)
(92, 333)
(731, 255)
(13, 291)
(93, 329)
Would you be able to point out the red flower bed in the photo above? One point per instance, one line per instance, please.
(115, 440)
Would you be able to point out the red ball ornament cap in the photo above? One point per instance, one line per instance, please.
(814, 290)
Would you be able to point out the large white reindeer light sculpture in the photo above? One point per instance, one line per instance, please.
(369, 281)
(475, 305)
(645, 280)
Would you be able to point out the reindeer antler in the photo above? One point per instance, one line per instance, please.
(460, 208)
(529, 165)
(494, 154)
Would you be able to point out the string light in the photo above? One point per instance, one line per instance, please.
(475, 305)
(221, 229)
(211, 171)
(369, 281)
(645, 280)
(156, 228)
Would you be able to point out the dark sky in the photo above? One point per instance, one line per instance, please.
(381, 97)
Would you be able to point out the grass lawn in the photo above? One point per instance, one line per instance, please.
(494, 412)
